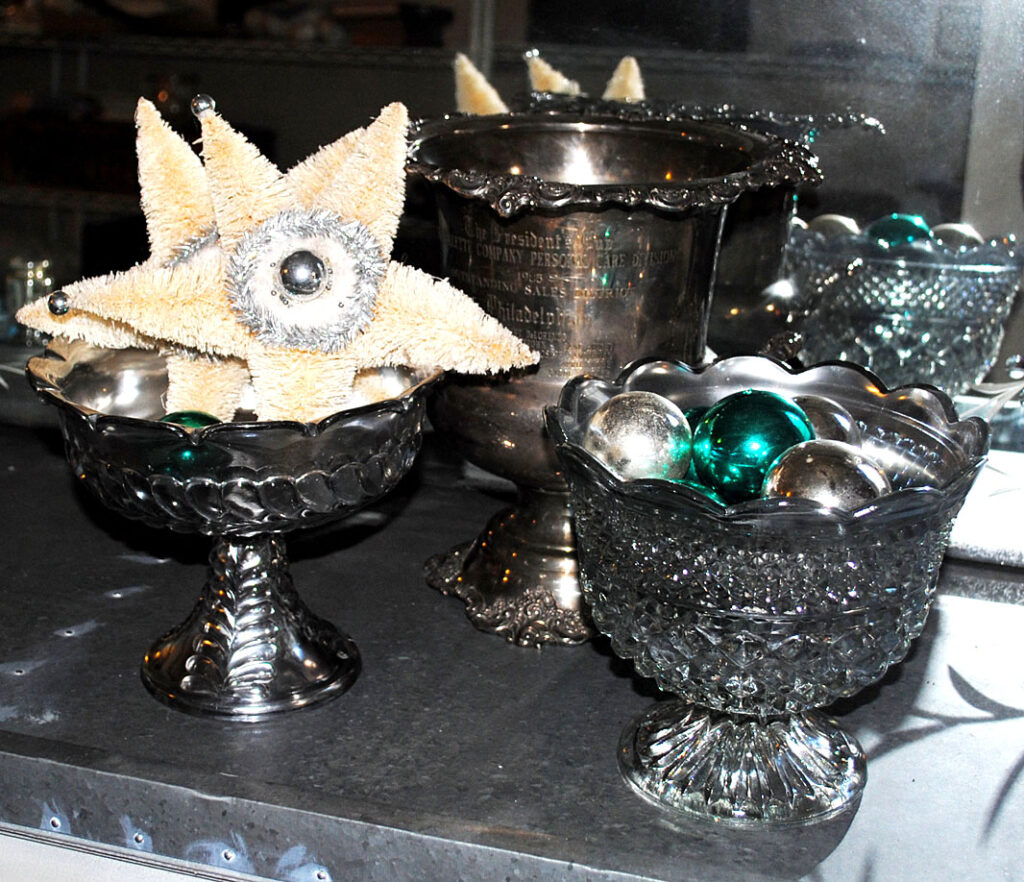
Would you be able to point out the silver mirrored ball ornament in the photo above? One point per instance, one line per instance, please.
(957, 235)
(640, 435)
(832, 473)
(303, 274)
(831, 421)
(834, 225)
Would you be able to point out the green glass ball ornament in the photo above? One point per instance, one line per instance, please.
(190, 419)
(898, 229)
(639, 435)
(698, 487)
(185, 460)
(741, 436)
(694, 415)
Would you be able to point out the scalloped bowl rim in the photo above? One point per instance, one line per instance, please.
(1002, 257)
(667, 493)
(44, 371)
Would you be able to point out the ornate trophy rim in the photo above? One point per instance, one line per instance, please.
(783, 162)
(757, 118)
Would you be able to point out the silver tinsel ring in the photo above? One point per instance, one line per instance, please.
(340, 312)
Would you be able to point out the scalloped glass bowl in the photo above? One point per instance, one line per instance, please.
(757, 614)
(919, 312)
(250, 647)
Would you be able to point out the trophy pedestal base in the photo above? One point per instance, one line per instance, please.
(518, 578)
(250, 646)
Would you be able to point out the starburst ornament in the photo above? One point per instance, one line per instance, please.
(278, 283)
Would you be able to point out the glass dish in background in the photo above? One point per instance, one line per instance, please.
(916, 311)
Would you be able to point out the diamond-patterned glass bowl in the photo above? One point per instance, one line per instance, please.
(759, 613)
(920, 312)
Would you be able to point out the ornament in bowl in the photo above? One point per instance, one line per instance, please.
(265, 369)
(759, 601)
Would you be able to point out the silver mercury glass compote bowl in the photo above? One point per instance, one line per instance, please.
(758, 614)
(593, 237)
(250, 647)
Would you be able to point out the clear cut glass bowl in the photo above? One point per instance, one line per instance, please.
(917, 312)
(758, 614)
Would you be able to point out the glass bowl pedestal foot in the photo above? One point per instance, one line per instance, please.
(250, 646)
(518, 577)
(789, 770)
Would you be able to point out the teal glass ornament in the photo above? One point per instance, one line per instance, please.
(184, 461)
(741, 436)
(190, 419)
(898, 229)
(695, 485)
(187, 460)
(694, 415)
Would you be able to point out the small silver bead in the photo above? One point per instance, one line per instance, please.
(201, 104)
(303, 274)
(58, 303)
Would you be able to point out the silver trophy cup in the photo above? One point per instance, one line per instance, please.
(593, 238)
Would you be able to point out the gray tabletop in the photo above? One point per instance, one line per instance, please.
(455, 755)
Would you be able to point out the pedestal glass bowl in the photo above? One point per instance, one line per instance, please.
(250, 647)
(919, 312)
(758, 614)
(593, 237)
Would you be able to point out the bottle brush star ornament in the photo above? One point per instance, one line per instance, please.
(475, 95)
(279, 280)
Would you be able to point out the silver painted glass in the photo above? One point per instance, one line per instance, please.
(593, 237)
(250, 647)
(919, 312)
(758, 614)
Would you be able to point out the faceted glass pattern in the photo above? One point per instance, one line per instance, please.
(917, 313)
(762, 624)
(757, 613)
